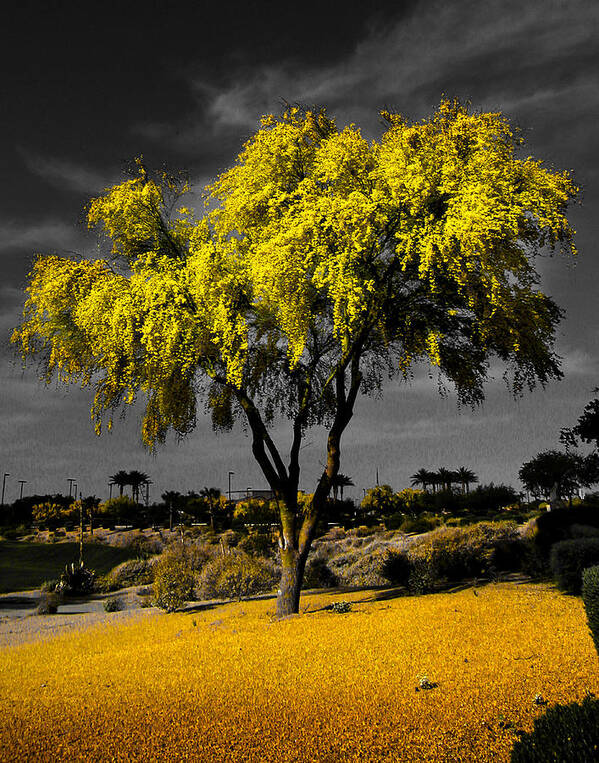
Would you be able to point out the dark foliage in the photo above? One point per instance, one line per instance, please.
(569, 558)
(590, 597)
(76, 580)
(553, 526)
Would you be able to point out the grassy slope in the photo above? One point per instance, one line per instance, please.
(230, 683)
(27, 565)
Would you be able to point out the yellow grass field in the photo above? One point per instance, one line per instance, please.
(231, 683)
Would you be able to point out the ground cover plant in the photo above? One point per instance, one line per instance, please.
(27, 565)
(342, 685)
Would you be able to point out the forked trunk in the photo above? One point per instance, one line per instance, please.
(292, 575)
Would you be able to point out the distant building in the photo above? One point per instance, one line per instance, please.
(243, 495)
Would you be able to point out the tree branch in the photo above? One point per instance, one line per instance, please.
(275, 471)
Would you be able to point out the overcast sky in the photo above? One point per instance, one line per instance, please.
(88, 86)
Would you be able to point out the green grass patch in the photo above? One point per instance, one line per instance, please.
(26, 565)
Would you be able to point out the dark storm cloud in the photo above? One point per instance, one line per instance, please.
(535, 61)
(187, 89)
(68, 175)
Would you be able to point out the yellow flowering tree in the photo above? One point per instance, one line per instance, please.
(322, 264)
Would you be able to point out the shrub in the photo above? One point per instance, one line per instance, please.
(76, 580)
(423, 573)
(48, 603)
(569, 558)
(565, 733)
(418, 524)
(229, 539)
(114, 605)
(318, 574)
(584, 531)
(257, 544)
(394, 521)
(121, 510)
(455, 553)
(335, 533)
(590, 597)
(130, 573)
(139, 544)
(363, 531)
(359, 567)
(339, 607)
(235, 576)
(174, 578)
(396, 567)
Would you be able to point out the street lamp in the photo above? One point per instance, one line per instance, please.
(21, 483)
(230, 473)
(70, 480)
(6, 474)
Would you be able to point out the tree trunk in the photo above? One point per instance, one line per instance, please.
(292, 575)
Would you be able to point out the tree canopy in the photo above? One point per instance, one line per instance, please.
(587, 426)
(563, 472)
(323, 264)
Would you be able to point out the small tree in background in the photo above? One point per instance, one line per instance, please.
(554, 470)
(212, 496)
(380, 500)
(120, 509)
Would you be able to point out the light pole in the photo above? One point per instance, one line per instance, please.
(70, 480)
(21, 483)
(230, 473)
(6, 474)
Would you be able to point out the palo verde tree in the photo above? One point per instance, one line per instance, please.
(323, 264)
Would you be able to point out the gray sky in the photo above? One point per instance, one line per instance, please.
(86, 89)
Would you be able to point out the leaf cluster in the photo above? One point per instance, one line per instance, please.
(320, 256)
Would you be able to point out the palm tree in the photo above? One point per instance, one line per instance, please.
(211, 494)
(136, 480)
(446, 478)
(422, 477)
(466, 477)
(433, 480)
(339, 482)
(121, 479)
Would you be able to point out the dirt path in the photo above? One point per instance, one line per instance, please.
(19, 623)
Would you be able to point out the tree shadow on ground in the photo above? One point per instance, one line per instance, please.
(18, 602)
